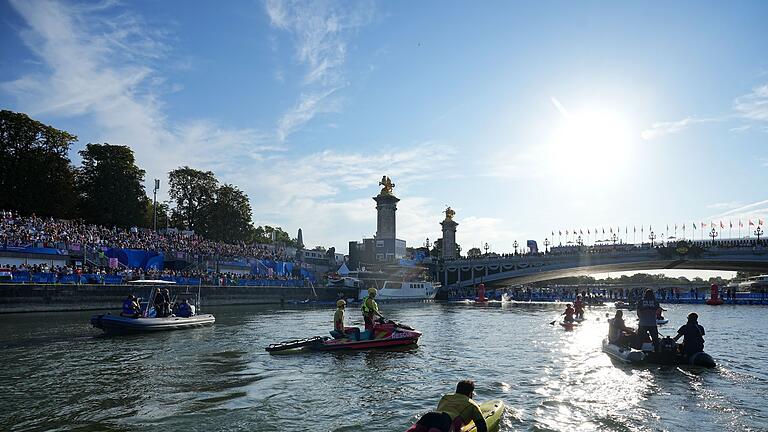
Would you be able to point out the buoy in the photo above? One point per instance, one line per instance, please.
(714, 296)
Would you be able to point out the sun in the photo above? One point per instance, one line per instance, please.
(591, 143)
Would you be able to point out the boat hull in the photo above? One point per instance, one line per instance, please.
(115, 324)
(347, 345)
(569, 325)
(637, 357)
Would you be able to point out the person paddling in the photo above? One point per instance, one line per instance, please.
(453, 412)
(693, 334)
(569, 311)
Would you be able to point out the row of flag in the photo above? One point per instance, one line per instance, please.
(693, 225)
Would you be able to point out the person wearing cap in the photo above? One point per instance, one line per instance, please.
(131, 308)
(370, 310)
(339, 330)
(693, 334)
(453, 412)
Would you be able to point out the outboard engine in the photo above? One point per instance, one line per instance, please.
(668, 345)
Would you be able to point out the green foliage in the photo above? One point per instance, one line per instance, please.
(110, 186)
(194, 192)
(36, 174)
(268, 234)
(230, 215)
(163, 215)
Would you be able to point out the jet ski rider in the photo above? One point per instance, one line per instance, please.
(339, 331)
(370, 309)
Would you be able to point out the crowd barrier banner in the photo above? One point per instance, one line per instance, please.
(69, 279)
(135, 258)
(113, 279)
(21, 276)
(44, 277)
(35, 250)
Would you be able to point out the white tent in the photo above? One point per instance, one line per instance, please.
(343, 270)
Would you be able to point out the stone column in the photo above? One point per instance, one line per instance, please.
(386, 206)
(449, 234)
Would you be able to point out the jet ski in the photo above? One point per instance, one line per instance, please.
(386, 334)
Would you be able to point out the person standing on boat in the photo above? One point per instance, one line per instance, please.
(693, 334)
(166, 303)
(339, 331)
(370, 310)
(647, 310)
(131, 308)
(578, 307)
(453, 412)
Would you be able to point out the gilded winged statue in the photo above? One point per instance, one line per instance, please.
(387, 184)
(449, 213)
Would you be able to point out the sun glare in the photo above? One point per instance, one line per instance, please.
(594, 144)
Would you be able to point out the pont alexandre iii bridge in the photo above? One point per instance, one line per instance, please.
(507, 270)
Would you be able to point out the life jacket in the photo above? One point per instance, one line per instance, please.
(129, 307)
(367, 310)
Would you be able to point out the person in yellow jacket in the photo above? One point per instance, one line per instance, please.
(339, 330)
(453, 412)
(370, 310)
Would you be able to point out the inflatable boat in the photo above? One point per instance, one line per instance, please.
(661, 321)
(492, 412)
(387, 334)
(666, 357)
(116, 324)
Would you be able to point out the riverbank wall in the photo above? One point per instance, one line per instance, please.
(48, 298)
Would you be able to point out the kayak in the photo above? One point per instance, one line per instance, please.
(388, 334)
(622, 305)
(569, 325)
(492, 412)
(116, 324)
(661, 321)
(637, 357)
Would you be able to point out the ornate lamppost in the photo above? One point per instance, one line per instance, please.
(713, 234)
(614, 238)
(758, 233)
(546, 245)
(652, 237)
(486, 247)
(579, 241)
(515, 245)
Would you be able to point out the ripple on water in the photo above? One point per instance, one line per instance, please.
(56, 375)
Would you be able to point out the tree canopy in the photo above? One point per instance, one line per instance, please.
(37, 175)
(111, 187)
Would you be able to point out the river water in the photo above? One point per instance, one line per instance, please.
(58, 374)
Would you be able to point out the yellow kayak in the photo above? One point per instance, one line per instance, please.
(492, 411)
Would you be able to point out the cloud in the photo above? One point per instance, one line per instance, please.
(753, 211)
(666, 128)
(98, 62)
(725, 205)
(753, 105)
(320, 31)
(475, 231)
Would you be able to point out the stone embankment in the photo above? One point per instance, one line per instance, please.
(47, 298)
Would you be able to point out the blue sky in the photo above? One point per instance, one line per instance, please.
(525, 118)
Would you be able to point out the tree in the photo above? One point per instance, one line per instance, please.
(110, 186)
(230, 216)
(194, 192)
(36, 175)
(474, 252)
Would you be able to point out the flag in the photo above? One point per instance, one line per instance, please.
(566, 232)
(634, 229)
(588, 231)
(603, 230)
(760, 221)
(675, 227)
(559, 233)
(751, 223)
(610, 229)
(711, 224)
(721, 225)
(703, 225)
(581, 232)
(730, 224)
(553, 233)
(741, 224)
(626, 229)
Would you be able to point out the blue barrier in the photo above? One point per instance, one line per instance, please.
(135, 258)
(113, 279)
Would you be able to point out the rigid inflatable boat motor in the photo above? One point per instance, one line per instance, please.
(668, 345)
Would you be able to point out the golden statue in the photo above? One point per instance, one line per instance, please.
(449, 213)
(388, 186)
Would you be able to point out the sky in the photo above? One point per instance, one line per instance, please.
(526, 118)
